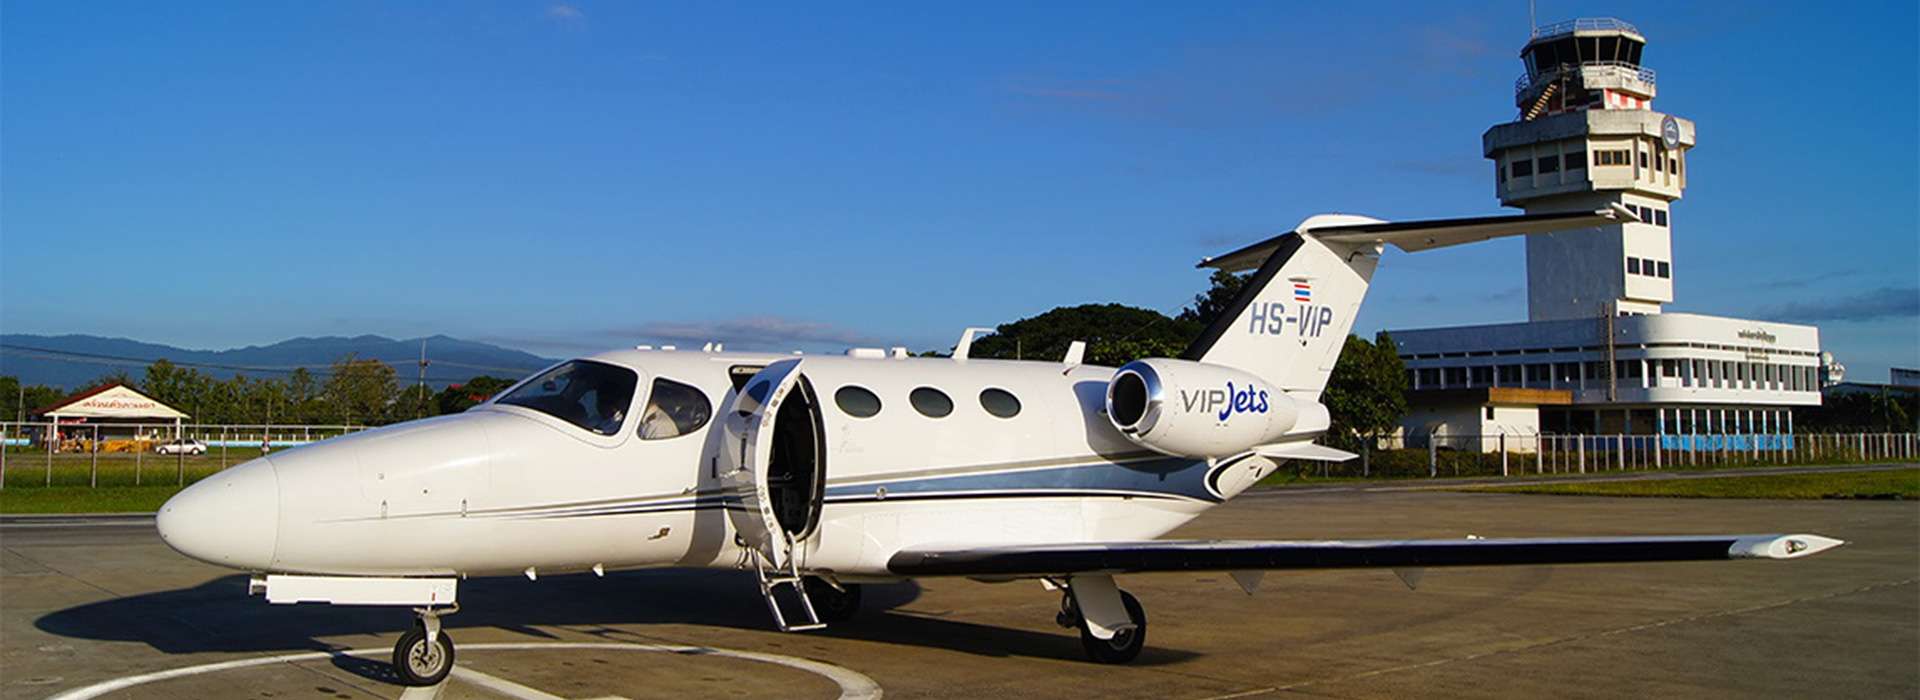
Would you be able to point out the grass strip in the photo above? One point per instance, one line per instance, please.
(1889, 484)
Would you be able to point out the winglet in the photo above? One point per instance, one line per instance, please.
(1780, 546)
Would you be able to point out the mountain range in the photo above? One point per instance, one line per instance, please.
(73, 361)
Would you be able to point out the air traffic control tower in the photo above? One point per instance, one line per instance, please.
(1587, 136)
(1599, 354)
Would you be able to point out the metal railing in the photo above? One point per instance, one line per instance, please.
(1585, 24)
(32, 454)
(1639, 72)
(1525, 455)
(124, 453)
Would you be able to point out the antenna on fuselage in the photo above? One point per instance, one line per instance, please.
(965, 345)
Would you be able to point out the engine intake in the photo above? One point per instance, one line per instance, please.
(1193, 409)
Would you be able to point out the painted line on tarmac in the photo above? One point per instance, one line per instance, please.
(24, 520)
(853, 684)
(496, 684)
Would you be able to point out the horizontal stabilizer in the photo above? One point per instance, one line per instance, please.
(1416, 236)
(1232, 555)
(1303, 450)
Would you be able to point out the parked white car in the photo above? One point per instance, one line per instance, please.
(181, 447)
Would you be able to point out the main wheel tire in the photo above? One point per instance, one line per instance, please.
(419, 663)
(833, 605)
(1125, 645)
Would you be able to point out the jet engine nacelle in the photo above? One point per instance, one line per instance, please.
(1194, 409)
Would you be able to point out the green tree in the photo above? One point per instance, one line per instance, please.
(1114, 333)
(460, 397)
(19, 403)
(1888, 410)
(1366, 395)
(360, 390)
(116, 376)
(1222, 289)
(410, 403)
(303, 398)
(183, 388)
(266, 402)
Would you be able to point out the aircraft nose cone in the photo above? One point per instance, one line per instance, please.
(231, 519)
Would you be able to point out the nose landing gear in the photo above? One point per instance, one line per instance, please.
(424, 655)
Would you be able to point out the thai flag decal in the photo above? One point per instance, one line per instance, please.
(1302, 292)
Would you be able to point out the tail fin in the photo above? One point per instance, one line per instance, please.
(1289, 323)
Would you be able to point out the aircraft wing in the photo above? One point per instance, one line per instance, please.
(1244, 555)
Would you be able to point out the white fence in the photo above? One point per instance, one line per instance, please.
(1515, 455)
(43, 454)
(122, 449)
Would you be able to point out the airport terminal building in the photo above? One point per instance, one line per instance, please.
(1597, 355)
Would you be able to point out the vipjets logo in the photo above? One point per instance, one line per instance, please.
(1273, 318)
(1223, 403)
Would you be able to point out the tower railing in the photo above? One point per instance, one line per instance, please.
(1527, 80)
(1589, 24)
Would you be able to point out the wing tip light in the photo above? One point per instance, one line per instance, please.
(1781, 546)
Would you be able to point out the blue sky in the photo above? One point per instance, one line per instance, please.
(569, 176)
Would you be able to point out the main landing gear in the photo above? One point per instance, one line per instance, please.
(424, 655)
(1110, 639)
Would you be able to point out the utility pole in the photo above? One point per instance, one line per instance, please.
(420, 406)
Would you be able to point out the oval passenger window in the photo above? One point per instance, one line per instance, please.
(857, 402)
(931, 402)
(1000, 403)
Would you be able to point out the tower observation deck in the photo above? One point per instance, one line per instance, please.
(1584, 136)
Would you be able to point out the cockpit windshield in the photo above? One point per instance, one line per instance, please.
(592, 395)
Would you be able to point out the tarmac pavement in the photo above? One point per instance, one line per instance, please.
(84, 602)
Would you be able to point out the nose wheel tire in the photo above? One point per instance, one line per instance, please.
(833, 604)
(422, 663)
(1125, 645)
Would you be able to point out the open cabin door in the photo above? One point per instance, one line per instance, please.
(772, 461)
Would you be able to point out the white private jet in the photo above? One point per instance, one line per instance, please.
(820, 473)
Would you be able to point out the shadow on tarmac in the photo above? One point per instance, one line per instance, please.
(219, 616)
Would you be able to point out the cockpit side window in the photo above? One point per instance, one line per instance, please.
(673, 410)
(592, 395)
